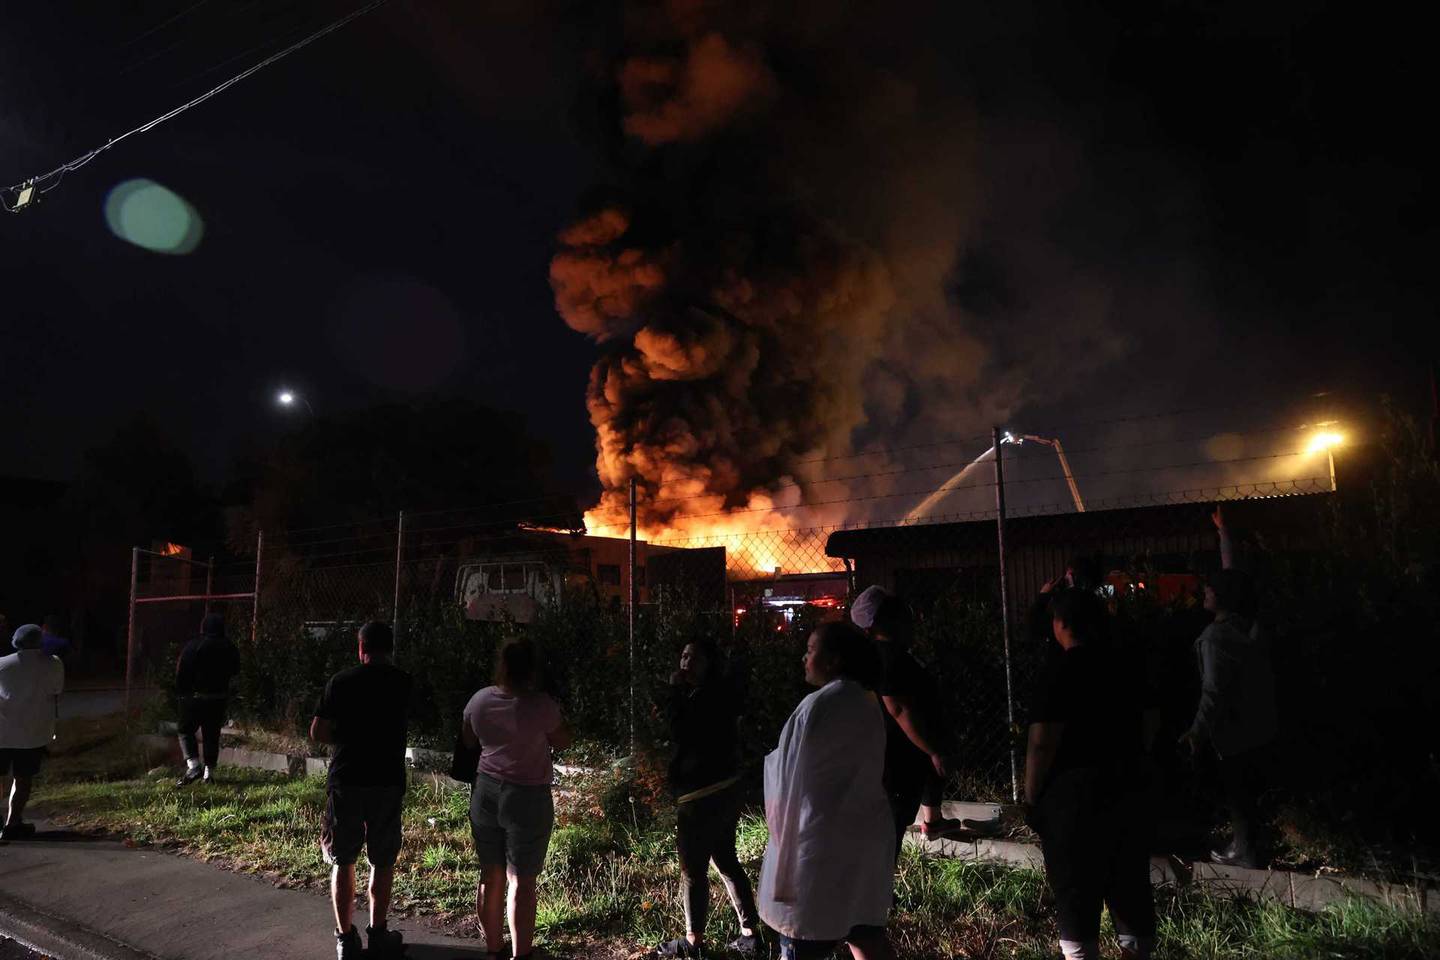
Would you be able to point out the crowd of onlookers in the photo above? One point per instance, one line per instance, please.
(861, 760)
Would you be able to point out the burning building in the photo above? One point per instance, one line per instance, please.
(513, 576)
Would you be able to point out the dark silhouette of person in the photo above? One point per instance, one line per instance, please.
(1086, 784)
(202, 687)
(1237, 715)
(915, 765)
(704, 714)
(364, 712)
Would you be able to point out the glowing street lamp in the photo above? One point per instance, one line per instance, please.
(288, 398)
(1326, 440)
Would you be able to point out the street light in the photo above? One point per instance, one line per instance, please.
(1054, 443)
(288, 398)
(1326, 439)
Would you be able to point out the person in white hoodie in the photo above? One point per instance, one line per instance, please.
(828, 872)
(30, 682)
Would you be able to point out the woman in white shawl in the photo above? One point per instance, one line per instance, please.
(829, 869)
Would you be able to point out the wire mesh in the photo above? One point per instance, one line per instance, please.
(457, 589)
(172, 596)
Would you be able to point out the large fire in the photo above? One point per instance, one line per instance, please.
(740, 283)
(759, 539)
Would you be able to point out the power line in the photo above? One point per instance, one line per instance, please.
(951, 464)
(486, 525)
(24, 190)
(166, 22)
(737, 539)
(985, 438)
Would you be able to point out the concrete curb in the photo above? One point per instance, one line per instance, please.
(1298, 890)
(294, 765)
(60, 936)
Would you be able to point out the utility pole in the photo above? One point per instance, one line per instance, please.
(634, 598)
(399, 555)
(130, 630)
(1005, 613)
(1435, 409)
(255, 607)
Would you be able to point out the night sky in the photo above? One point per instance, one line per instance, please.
(1249, 195)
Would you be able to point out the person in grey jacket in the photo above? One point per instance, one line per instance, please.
(1236, 715)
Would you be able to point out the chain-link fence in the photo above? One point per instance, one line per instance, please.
(171, 594)
(453, 590)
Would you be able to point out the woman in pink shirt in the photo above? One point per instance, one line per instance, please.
(511, 811)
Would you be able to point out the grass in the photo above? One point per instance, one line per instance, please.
(611, 888)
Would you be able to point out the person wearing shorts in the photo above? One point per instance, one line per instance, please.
(364, 712)
(30, 683)
(515, 726)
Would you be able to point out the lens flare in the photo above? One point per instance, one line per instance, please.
(151, 216)
(1321, 442)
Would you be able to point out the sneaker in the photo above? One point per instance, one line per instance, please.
(348, 945)
(747, 946)
(189, 777)
(385, 942)
(679, 947)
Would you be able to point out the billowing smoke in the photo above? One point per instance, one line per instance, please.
(771, 274)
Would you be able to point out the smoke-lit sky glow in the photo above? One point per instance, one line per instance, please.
(768, 259)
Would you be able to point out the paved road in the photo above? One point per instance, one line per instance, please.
(84, 898)
(10, 950)
(90, 703)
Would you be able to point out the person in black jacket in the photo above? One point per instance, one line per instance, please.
(1085, 783)
(704, 778)
(202, 682)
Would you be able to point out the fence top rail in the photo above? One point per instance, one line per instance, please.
(171, 556)
(197, 596)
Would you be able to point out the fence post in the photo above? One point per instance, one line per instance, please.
(634, 597)
(255, 608)
(399, 551)
(209, 582)
(130, 628)
(1005, 615)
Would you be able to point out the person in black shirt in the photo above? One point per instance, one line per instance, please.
(202, 683)
(1085, 784)
(363, 712)
(915, 768)
(704, 778)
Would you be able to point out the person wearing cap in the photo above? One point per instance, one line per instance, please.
(915, 768)
(30, 683)
(202, 684)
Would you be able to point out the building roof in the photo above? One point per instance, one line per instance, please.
(1275, 516)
